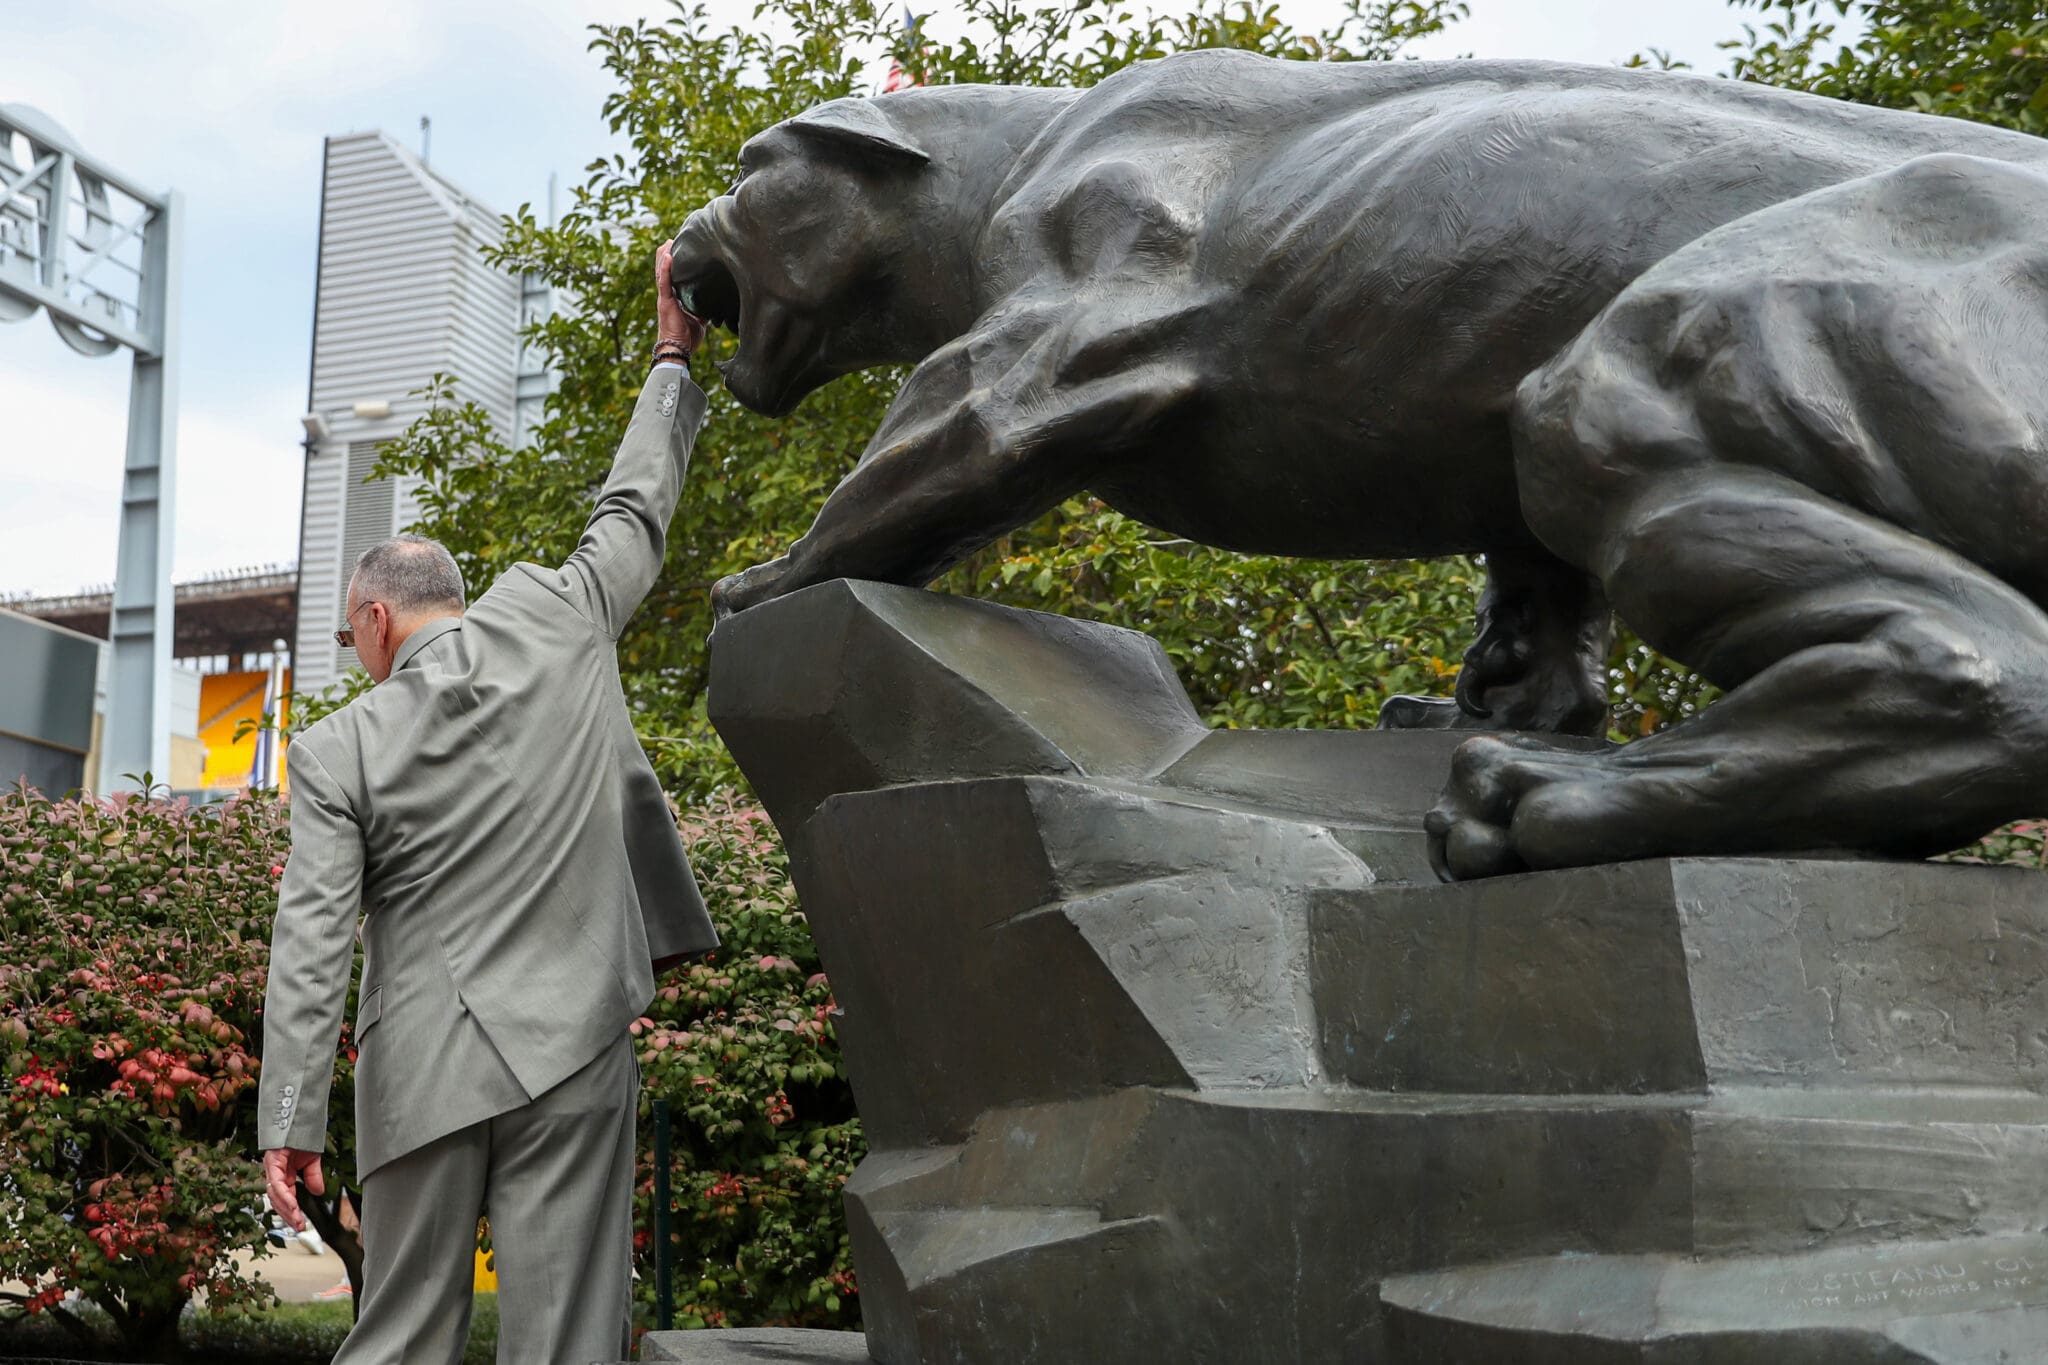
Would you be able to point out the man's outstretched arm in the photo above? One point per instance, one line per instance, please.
(312, 948)
(621, 551)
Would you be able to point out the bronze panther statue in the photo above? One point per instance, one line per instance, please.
(1763, 371)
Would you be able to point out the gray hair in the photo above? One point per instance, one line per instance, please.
(409, 574)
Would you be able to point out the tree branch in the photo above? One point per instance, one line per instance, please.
(74, 1324)
(1329, 640)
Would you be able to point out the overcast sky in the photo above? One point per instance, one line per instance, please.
(228, 101)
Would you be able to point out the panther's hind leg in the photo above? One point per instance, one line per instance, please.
(1888, 696)
(1807, 455)
(1538, 662)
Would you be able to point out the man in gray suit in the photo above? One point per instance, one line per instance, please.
(488, 812)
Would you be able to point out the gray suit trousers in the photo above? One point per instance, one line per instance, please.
(556, 1178)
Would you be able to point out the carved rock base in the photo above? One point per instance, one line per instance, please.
(1169, 1047)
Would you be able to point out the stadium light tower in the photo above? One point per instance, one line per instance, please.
(100, 256)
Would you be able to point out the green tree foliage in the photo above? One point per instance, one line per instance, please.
(1260, 641)
(1986, 60)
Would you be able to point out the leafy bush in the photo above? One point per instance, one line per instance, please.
(130, 1026)
(2023, 843)
(741, 1045)
(283, 1334)
(129, 1004)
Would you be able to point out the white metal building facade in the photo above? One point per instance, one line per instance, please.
(403, 295)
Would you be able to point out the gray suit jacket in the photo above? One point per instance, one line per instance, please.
(489, 813)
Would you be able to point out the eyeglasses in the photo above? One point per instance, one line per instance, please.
(346, 636)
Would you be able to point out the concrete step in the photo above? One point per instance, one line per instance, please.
(788, 1345)
(1688, 975)
(1970, 1301)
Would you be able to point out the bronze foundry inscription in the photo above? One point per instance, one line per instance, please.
(1906, 1282)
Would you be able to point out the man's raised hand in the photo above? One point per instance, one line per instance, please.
(673, 322)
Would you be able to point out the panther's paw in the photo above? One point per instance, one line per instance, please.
(748, 588)
(1472, 828)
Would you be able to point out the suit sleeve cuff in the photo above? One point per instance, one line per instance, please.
(672, 397)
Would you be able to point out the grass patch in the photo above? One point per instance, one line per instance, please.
(312, 1332)
(285, 1334)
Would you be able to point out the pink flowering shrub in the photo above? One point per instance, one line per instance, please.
(130, 994)
(131, 984)
(763, 1133)
(2023, 843)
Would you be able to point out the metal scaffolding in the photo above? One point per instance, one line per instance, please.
(100, 255)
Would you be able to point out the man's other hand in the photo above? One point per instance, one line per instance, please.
(283, 1168)
(672, 320)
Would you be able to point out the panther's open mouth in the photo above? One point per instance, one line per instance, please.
(714, 295)
(711, 279)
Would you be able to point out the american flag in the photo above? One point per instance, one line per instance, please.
(898, 78)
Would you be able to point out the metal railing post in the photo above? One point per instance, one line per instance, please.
(664, 1273)
(140, 622)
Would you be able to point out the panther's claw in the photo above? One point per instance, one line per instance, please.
(1468, 691)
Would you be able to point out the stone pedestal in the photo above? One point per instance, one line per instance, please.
(755, 1346)
(1170, 1047)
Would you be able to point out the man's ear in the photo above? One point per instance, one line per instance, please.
(856, 128)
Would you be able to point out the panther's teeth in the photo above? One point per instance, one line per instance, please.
(687, 295)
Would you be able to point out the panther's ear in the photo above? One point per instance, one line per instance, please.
(855, 127)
